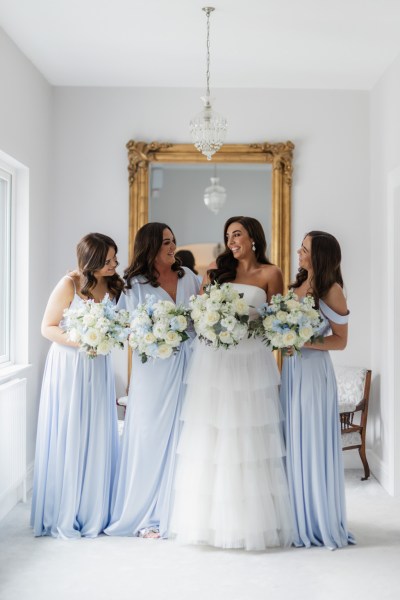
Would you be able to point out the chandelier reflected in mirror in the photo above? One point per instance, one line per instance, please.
(215, 194)
(208, 128)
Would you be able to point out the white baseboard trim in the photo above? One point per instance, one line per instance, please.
(381, 472)
(17, 493)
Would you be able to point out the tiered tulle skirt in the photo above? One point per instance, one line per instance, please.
(230, 486)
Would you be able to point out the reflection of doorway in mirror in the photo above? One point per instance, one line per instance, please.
(204, 254)
(177, 198)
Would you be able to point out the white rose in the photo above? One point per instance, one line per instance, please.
(164, 351)
(181, 322)
(289, 338)
(225, 337)
(268, 322)
(172, 338)
(105, 347)
(211, 317)
(240, 306)
(91, 337)
(149, 338)
(305, 332)
(293, 305)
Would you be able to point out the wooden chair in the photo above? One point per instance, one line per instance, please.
(353, 389)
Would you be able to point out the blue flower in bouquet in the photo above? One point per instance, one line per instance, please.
(158, 328)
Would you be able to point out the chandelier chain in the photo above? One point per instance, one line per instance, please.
(208, 10)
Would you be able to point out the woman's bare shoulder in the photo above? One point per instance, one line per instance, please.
(336, 299)
(271, 273)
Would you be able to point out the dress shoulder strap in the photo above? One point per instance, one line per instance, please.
(332, 315)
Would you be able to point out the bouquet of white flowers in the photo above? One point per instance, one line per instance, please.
(289, 322)
(220, 315)
(158, 328)
(96, 326)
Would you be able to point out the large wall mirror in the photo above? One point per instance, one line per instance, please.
(167, 183)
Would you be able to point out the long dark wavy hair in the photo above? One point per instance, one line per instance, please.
(91, 252)
(148, 242)
(186, 258)
(325, 259)
(227, 263)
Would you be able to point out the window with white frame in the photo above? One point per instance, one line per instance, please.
(6, 184)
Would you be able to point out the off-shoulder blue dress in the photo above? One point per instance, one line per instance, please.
(313, 447)
(142, 492)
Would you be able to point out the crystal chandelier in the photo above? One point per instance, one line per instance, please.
(215, 194)
(208, 128)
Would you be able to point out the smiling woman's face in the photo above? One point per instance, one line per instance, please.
(304, 253)
(238, 240)
(166, 254)
(111, 263)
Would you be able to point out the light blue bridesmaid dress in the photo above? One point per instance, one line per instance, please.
(142, 492)
(313, 446)
(77, 444)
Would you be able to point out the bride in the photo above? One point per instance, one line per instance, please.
(230, 488)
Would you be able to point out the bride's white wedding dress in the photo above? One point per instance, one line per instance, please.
(230, 486)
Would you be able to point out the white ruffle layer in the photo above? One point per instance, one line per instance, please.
(230, 487)
(248, 366)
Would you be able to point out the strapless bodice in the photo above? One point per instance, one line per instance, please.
(254, 296)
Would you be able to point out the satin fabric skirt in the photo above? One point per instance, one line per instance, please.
(314, 451)
(77, 445)
(143, 487)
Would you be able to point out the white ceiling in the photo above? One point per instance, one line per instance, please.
(338, 44)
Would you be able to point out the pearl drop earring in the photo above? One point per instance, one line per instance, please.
(253, 247)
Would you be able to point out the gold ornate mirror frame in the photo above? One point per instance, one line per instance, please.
(142, 154)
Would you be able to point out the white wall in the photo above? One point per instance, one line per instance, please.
(330, 187)
(385, 271)
(26, 106)
(83, 186)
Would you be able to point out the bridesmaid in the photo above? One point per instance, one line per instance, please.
(142, 493)
(77, 437)
(309, 400)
